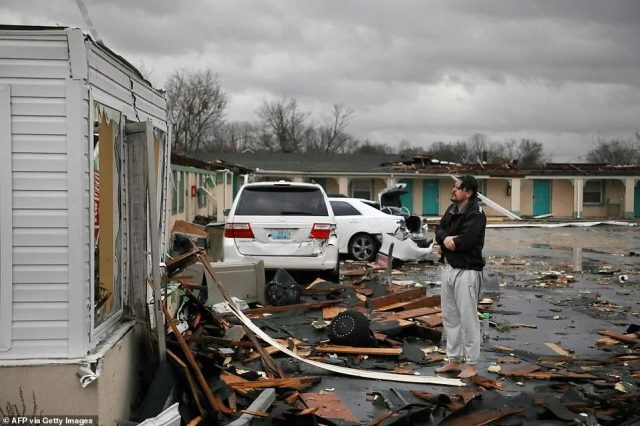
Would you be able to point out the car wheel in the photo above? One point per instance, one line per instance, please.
(363, 247)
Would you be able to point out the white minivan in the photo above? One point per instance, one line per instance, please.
(288, 225)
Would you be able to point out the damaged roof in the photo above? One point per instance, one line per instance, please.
(311, 162)
(213, 165)
(429, 165)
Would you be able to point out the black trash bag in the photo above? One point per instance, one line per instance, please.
(351, 328)
(282, 290)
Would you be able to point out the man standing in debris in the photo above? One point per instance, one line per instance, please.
(460, 235)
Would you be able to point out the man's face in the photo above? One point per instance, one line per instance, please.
(458, 194)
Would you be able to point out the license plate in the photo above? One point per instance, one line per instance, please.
(281, 235)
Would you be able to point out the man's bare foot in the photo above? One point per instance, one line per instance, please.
(450, 366)
(469, 371)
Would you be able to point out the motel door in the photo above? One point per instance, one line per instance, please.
(430, 197)
(541, 197)
(407, 199)
(636, 198)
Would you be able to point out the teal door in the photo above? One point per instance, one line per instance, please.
(430, 197)
(541, 197)
(636, 198)
(407, 199)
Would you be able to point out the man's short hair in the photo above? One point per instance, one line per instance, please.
(469, 183)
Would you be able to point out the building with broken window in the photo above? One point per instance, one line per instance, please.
(85, 159)
(582, 191)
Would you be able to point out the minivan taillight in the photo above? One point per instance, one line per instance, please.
(238, 230)
(321, 231)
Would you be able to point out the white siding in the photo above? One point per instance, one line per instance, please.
(48, 79)
(115, 85)
(36, 66)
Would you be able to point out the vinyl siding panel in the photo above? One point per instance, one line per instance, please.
(33, 181)
(29, 293)
(36, 88)
(51, 215)
(39, 144)
(23, 218)
(40, 256)
(52, 311)
(38, 49)
(36, 67)
(32, 330)
(38, 274)
(40, 237)
(122, 89)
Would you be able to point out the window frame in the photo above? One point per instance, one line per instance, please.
(96, 331)
(600, 192)
(362, 186)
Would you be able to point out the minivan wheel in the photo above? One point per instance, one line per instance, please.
(363, 247)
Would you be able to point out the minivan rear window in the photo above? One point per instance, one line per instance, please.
(274, 201)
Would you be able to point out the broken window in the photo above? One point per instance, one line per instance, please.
(593, 192)
(108, 213)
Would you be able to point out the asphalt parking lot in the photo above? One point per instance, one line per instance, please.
(568, 283)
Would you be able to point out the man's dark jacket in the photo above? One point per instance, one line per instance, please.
(468, 228)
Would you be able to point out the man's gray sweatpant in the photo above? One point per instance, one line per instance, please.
(460, 289)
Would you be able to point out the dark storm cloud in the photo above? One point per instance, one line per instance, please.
(413, 70)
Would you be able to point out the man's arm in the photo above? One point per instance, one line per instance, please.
(441, 232)
(469, 231)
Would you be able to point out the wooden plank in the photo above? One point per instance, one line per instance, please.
(434, 320)
(358, 350)
(620, 337)
(331, 312)
(288, 308)
(412, 313)
(288, 383)
(329, 406)
(482, 417)
(521, 371)
(557, 349)
(401, 296)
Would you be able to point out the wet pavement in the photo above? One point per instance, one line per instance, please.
(526, 277)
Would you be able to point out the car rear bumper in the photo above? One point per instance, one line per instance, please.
(323, 262)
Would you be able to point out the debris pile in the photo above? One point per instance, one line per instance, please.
(271, 364)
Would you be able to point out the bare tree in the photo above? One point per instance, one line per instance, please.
(332, 136)
(456, 152)
(478, 147)
(283, 125)
(368, 147)
(405, 148)
(236, 136)
(616, 151)
(530, 152)
(196, 105)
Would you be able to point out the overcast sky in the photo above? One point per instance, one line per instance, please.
(565, 72)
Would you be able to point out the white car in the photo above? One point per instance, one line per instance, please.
(287, 225)
(361, 227)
